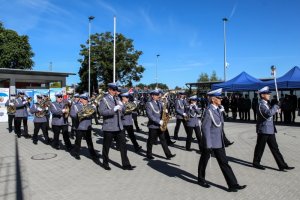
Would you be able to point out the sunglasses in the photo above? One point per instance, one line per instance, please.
(59, 96)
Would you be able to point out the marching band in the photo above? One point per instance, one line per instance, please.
(118, 109)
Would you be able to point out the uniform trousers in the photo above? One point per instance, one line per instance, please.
(262, 139)
(190, 134)
(130, 132)
(119, 137)
(88, 138)
(177, 127)
(74, 125)
(10, 122)
(64, 129)
(18, 121)
(153, 134)
(221, 157)
(37, 127)
(136, 124)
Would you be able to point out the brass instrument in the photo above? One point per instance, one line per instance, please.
(67, 107)
(87, 111)
(130, 107)
(43, 104)
(11, 109)
(98, 98)
(165, 115)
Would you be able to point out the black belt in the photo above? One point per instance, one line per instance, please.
(19, 108)
(56, 116)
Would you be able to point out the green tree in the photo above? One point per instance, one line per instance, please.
(55, 85)
(159, 85)
(203, 77)
(127, 67)
(15, 50)
(141, 85)
(214, 77)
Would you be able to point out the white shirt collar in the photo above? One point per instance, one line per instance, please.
(215, 107)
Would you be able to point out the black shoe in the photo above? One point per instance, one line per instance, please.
(138, 130)
(228, 144)
(48, 141)
(258, 166)
(128, 167)
(239, 187)
(150, 157)
(171, 156)
(171, 143)
(77, 157)
(232, 190)
(138, 148)
(203, 184)
(68, 149)
(18, 135)
(289, 168)
(106, 167)
(35, 142)
(188, 149)
(56, 147)
(10, 131)
(175, 137)
(27, 136)
(96, 160)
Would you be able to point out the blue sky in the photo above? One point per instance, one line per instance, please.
(188, 35)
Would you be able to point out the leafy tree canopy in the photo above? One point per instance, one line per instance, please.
(15, 50)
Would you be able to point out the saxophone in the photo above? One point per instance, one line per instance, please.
(165, 115)
(87, 111)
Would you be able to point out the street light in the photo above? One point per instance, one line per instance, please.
(89, 85)
(225, 62)
(156, 69)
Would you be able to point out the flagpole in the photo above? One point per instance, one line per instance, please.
(114, 65)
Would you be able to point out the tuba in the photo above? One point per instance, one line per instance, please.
(165, 115)
(130, 107)
(87, 111)
(98, 98)
(11, 109)
(43, 104)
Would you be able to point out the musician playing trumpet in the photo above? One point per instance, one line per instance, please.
(39, 120)
(127, 119)
(84, 128)
(11, 110)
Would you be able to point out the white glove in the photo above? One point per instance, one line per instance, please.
(11, 104)
(39, 109)
(117, 107)
(63, 110)
(221, 108)
(166, 111)
(161, 122)
(46, 108)
(24, 102)
(184, 114)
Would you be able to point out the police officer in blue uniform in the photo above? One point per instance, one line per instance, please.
(59, 123)
(127, 121)
(212, 131)
(154, 113)
(11, 115)
(192, 123)
(21, 114)
(265, 129)
(83, 128)
(73, 114)
(180, 105)
(39, 120)
(111, 110)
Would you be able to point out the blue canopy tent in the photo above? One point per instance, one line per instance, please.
(290, 80)
(242, 82)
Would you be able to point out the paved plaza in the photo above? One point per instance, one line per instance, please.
(39, 172)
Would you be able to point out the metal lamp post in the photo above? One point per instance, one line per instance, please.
(156, 69)
(225, 62)
(89, 85)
